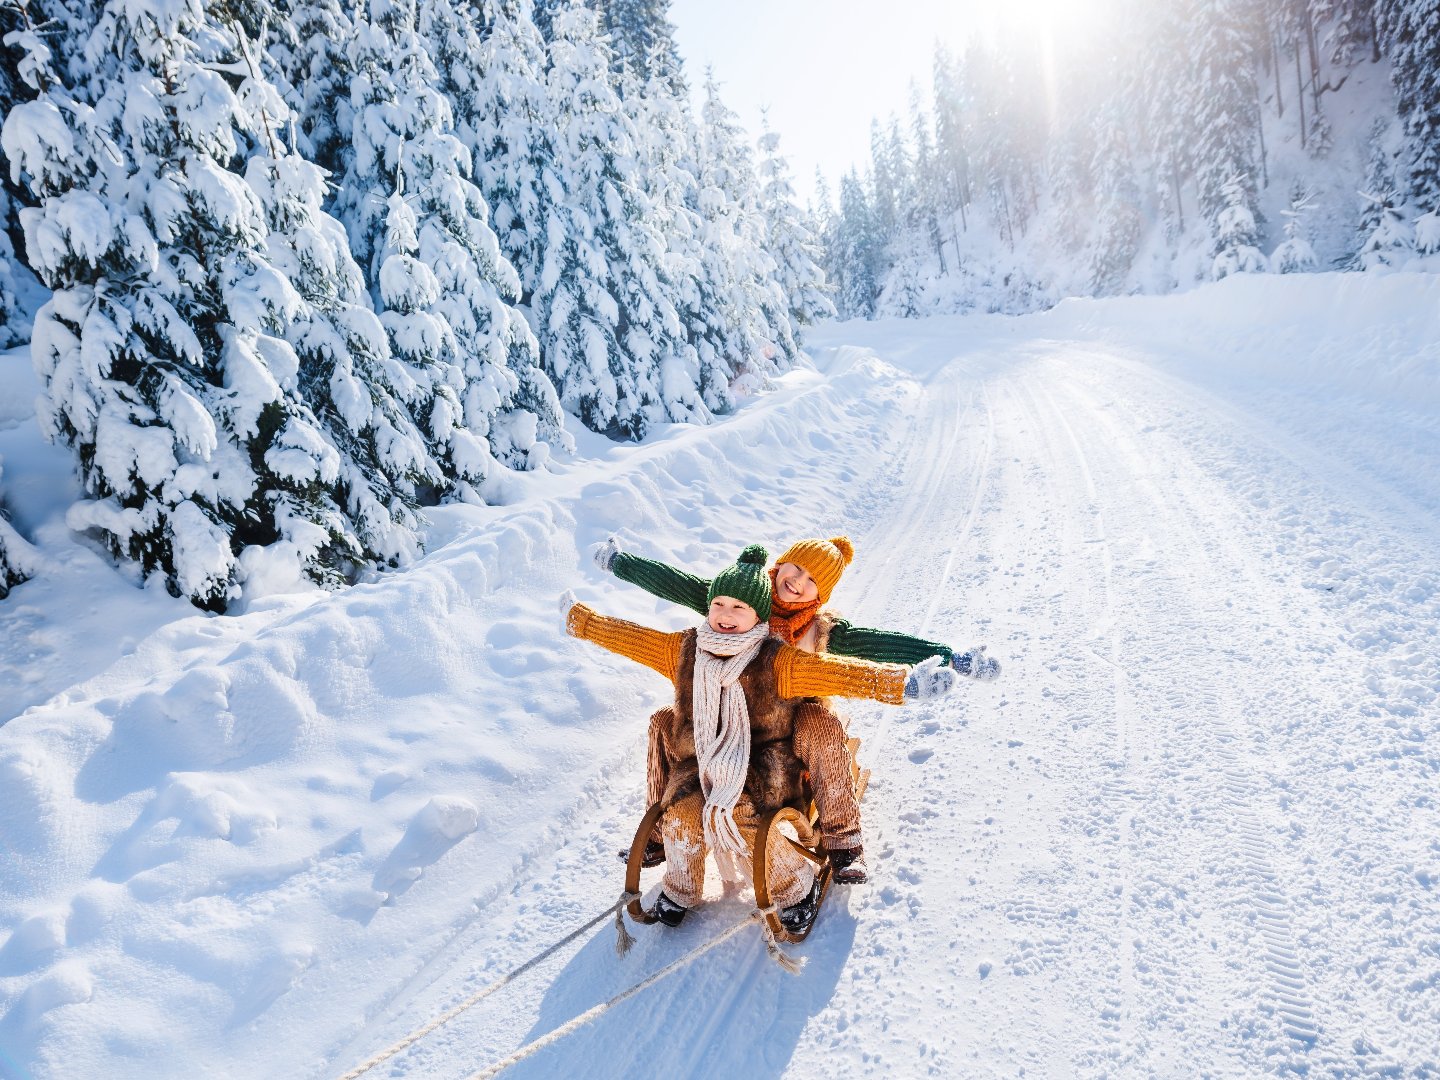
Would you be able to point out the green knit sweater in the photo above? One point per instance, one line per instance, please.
(846, 639)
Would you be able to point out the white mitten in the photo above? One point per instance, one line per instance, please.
(604, 553)
(567, 601)
(976, 665)
(929, 680)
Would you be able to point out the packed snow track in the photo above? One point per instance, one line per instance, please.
(1191, 831)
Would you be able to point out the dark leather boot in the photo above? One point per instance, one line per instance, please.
(799, 917)
(668, 911)
(849, 866)
(654, 854)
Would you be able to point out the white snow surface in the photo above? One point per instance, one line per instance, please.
(1191, 831)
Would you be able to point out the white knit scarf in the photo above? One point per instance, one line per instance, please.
(722, 737)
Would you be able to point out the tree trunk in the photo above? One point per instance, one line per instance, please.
(1300, 93)
(1314, 61)
(1275, 65)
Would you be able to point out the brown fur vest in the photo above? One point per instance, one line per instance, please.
(774, 777)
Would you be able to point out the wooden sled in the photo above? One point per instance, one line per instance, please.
(807, 843)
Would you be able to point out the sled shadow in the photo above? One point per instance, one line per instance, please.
(730, 1012)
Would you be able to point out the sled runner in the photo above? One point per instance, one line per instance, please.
(807, 842)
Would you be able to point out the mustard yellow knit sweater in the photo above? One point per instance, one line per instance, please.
(797, 674)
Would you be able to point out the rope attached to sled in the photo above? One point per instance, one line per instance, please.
(584, 1018)
(476, 998)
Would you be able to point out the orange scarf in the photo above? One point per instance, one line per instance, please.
(790, 622)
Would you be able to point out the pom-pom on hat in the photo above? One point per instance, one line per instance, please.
(823, 560)
(746, 580)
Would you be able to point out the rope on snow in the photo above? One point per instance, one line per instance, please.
(623, 940)
(474, 999)
(584, 1018)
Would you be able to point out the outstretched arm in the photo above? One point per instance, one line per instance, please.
(883, 646)
(801, 674)
(655, 577)
(653, 648)
(889, 647)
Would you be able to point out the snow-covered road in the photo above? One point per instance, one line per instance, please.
(1191, 832)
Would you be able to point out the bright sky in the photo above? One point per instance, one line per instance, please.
(825, 68)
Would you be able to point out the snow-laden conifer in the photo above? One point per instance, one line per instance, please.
(19, 561)
(1118, 223)
(1295, 255)
(667, 147)
(748, 327)
(858, 257)
(642, 41)
(1410, 34)
(1237, 238)
(612, 339)
(1221, 104)
(309, 44)
(353, 446)
(442, 287)
(1427, 233)
(791, 240)
(160, 353)
(1384, 236)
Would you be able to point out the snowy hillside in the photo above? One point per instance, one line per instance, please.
(1191, 831)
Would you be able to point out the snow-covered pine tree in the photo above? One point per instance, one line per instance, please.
(749, 326)
(792, 240)
(667, 141)
(355, 454)
(1383, 235)
(542, 13)
(1117, 201)
(466, 81)
(928, 191)
(1164, 70)
(822, 211)
(952, 157)
(882, 182)
(1427, 233)
(858, 242)
(642, 41)
(309, 43)
(20, 30)
(158, 352)
(19, 561)
(511, 124)
(440, 283)
(612, 338)
(1410, 36)
(1237, 239)
(1349, 35)
(507, 125)
(1222, 106)
(1295, 255)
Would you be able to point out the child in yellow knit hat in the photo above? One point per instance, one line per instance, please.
(737, 692)
(803, 578)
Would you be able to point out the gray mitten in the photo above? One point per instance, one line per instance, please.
(567, 601)
(976, 665)
(929, 680)
(604, 553)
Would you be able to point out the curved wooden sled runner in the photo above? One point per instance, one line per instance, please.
(807, 842)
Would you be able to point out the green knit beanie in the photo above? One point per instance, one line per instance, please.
(746, 580)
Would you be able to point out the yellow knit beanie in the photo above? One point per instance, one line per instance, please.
(823, 560)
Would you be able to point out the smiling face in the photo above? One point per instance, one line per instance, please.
(730, 616)
(793, 585)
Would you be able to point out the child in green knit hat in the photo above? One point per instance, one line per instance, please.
(737, 693)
